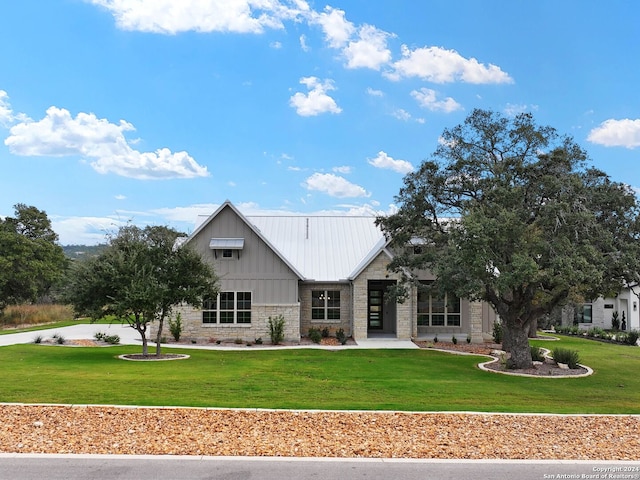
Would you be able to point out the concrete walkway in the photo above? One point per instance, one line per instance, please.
(129, 336)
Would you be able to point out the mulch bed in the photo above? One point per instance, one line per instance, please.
(548, 368)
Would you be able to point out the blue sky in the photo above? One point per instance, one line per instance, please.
(157, 111)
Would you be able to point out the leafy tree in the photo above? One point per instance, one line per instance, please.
(139, 278)
(31, 261)
(507, 212)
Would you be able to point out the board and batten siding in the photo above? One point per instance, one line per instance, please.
(255, 268)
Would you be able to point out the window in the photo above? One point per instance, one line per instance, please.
(437, 311)
(325, 305)
(227, 253)
(584, 313)
(228, 308)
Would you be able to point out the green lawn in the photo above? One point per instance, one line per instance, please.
(410, 380)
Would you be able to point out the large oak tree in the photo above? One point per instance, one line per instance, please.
(31, 261)
(139, 278)
(508, 212)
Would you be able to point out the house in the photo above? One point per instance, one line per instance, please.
(317, 272)
(600, 312)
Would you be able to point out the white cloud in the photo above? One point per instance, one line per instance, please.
(316, 101)
(375, 93)
(401, 114)
(439, 65)
(303, 43)
(58, 134)
(345, 169)
(370, 50)
(171, 16)
(334, 186)
(276, 45)
(85, 230)
(6, 113)
(384, 161)
(617, 133)
(512, 109)
(337, 29)
(120, 197)
(427, 98)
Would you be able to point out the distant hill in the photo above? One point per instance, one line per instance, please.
(75, 252)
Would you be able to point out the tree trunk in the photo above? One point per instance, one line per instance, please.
(519, 345)
(506, 337)
(159, 335)
(533, 328)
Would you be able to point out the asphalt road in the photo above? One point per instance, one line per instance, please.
(99, 467)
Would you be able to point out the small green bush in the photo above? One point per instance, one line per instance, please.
(276, 329)
(569, 357)
(536, 354)
(454, 340)
(258, 341)
(325, 332)
(175, 327)
(435, 339)
(37, 339)
(468, 338)
(631, 337)
(341, 336)
(315, 335)
(497, 332)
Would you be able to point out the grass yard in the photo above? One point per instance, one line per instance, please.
(409, 380)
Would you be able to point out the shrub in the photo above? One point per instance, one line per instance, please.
(258, 341)
(37, 339)
(315, 335)
(569, 357)
(536, 354)
(325, 332)
(497, 332)
(615, 321)
(595, 332)
(175, 327)
(341, 336)
(99, 336)
(276, 329)
(238, 341)
(454, 340)
(468, 338)
(435, 339)
(631, 337)
(58, 338)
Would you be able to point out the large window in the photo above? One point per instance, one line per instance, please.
(228, 308)
(325, 305)
(438, 311)
(584, 313)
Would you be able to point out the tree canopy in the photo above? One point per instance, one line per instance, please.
(140, 276)
(508, 212)
(31, 261)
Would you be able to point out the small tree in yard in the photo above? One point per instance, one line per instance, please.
(139, 278)
(507, 212)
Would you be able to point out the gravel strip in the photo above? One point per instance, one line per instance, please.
(195, 431)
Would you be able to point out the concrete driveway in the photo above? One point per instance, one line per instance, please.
(128, 336)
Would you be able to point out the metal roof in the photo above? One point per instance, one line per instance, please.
(322, 248)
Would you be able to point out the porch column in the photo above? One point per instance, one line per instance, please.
(475, 322)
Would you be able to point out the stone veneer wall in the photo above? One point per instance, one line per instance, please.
(377, 270)
(194, 329)
(333, 325)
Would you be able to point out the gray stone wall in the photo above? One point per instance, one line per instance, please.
(345, 308)
(193, 329)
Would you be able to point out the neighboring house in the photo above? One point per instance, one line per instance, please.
(315, 271)
(599, 312)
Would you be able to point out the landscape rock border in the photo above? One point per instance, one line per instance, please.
(139, 357)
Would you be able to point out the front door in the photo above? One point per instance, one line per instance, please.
(381, 310)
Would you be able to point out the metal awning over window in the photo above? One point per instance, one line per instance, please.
(226, 244)
(224, 247)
